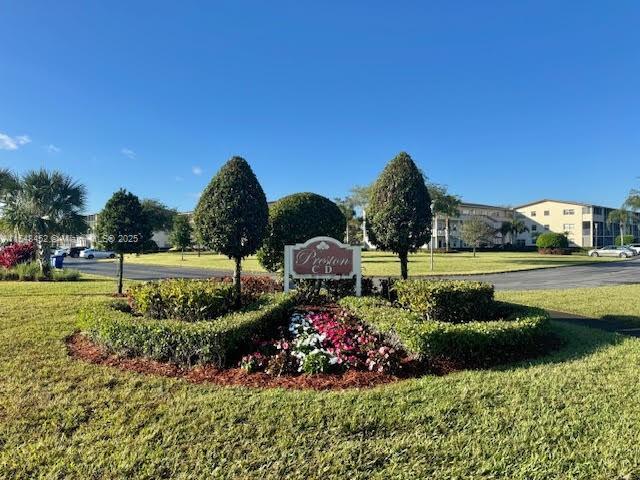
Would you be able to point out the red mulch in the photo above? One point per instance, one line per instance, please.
(81, 347)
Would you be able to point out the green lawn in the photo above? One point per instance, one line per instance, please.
(572, 415)
(618, 302)
(386, 264)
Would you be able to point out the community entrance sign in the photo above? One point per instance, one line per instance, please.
(322, 258)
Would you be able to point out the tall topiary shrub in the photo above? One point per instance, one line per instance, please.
(399, 213)
(122, 227)
(295, 219)
(232, 215)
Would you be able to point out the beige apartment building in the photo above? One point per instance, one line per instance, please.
(586, 225)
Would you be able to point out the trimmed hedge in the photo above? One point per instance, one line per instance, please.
(220, 341)
(453, 301)
(188, 300)
(474, 344)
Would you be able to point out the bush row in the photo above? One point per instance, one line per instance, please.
(189, 300)
(220, 341)
(454, 301)
(30, 272)
(473, 344)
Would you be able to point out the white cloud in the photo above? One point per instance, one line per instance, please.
(196, 170)
(13, 143)
(51, 148)
(127, 152)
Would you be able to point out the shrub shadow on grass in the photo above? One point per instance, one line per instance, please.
(577, 341)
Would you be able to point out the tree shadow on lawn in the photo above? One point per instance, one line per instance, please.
(578, 341)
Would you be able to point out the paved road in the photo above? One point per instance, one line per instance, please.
(109, 268)
(597, 274)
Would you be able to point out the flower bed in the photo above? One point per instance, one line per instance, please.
(323, 341)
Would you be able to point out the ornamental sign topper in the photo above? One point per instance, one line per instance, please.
(322, 258)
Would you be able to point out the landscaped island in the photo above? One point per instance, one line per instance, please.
(435, 326)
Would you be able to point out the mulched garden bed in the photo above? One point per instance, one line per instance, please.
(80, 347)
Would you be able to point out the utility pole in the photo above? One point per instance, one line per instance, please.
(432, 231)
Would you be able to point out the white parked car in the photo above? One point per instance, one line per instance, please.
(62, 251)
(611, 251)
(90, 253)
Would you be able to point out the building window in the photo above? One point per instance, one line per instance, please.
(568, 211)
(533, 213)
(546, 213)
(534, 228)
(546, 227)
(586, 210)
(597, 210)
(567, 227)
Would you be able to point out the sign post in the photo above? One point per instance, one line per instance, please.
(322, 258)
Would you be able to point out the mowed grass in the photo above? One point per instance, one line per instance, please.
(619, 302)
(387, 264)
(573, 414)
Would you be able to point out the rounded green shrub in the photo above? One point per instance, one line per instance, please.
(221, 341)
(295, 219)
(453, 301)
(551, 240)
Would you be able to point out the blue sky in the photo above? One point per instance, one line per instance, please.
(503, 101)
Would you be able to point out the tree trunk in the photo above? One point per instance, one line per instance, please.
(120, 272)
(183, 254)
(404, 260)
(44, 257)
(236, 281)
(199, 247)
(474, 251)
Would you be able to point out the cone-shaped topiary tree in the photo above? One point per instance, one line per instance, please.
(122, 227)
(297, 218)
(399, 212)
(232, 214)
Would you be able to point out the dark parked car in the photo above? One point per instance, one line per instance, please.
(74, 252)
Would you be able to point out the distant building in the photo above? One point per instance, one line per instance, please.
(161, 237)
(585, 224)
(492, 214)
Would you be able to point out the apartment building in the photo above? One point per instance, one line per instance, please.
(160, 237)
(585, 224)
(492, 214)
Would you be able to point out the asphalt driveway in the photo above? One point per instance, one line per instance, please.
(594, 275)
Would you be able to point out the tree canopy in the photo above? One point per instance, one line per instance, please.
(232, 214)
(295, 219)
(399, 212)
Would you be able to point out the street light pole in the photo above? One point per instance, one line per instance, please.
(432, 231)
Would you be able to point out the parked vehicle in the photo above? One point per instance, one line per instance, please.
(74, 252)
(611, 251)
(90, 253)
(635, 247)
(62, 252)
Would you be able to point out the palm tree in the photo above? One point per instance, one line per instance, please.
(446, 205)
(42, 206)
(621, 217)
(504, 230)
(513, 228)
